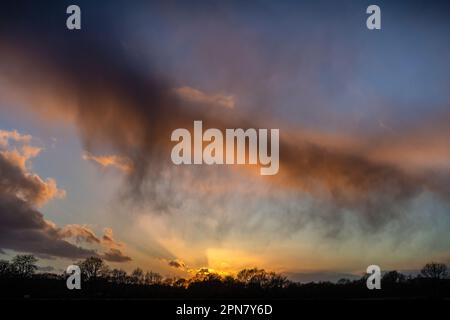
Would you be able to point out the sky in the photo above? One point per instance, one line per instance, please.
(86, 117)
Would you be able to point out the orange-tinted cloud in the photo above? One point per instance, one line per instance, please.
(113, 249)
(79, 232)
(198, 97)
(32, 188)
(108, 239)
(114, 161)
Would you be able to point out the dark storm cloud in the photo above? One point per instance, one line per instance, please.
(349, 180)
(116, 104)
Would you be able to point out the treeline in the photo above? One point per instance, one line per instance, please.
(94, 269)
(19, 279)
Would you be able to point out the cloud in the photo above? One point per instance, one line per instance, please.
(112, 252)
(80, 233)
(16, 177)
(196, 96)
(124, 116)
(108, 239)
(84, 233)
(6, 136)
(121, 163)
(22, 227)
(178, 264)
(115, 255)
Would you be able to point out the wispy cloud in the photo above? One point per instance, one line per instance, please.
(197, 97)
(122, 163)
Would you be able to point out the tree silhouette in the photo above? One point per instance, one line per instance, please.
(24, 265)
(181, 283)
(393, 277)
(152, 278)
(229, 280)
(204, 274)
(20, 278)
(5, 268)
(92, 268)
(434, 270)
(137, 276)
(253, 277)
(118, 276)
(275, 280)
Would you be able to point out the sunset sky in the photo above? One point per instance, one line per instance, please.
(364, 120)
